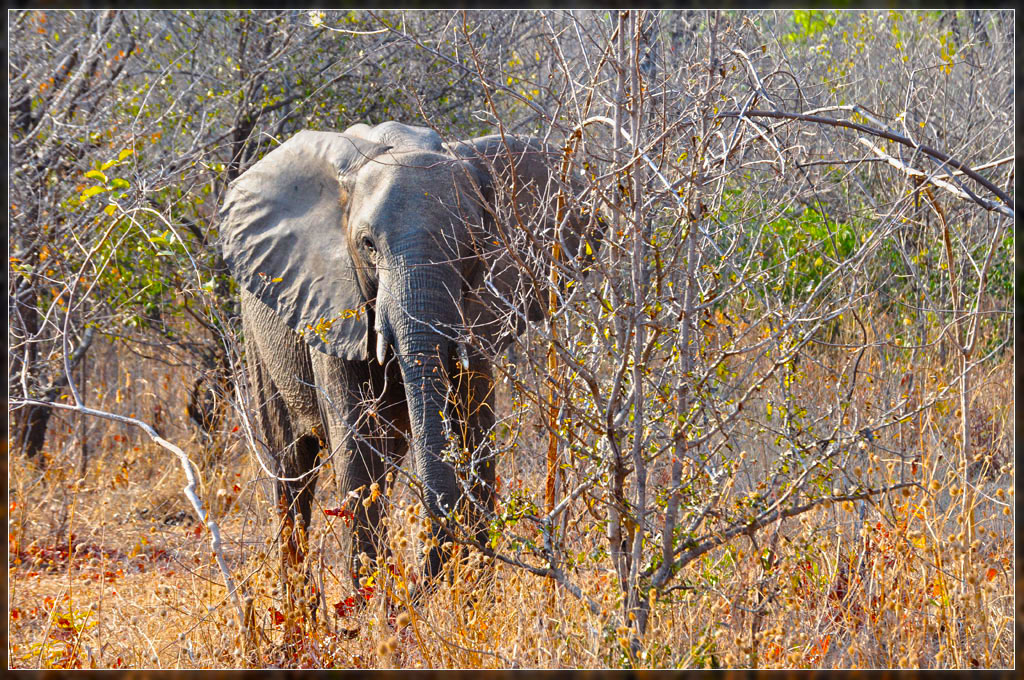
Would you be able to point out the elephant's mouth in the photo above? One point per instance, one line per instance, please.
(384, 342)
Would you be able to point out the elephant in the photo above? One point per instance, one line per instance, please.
(379, 270)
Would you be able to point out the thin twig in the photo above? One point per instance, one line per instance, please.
(927, 150)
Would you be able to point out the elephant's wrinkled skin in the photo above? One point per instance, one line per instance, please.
(366, 260)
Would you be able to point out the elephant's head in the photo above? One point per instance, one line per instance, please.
(383, 242)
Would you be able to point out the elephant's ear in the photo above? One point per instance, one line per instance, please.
(516, 182)
(282, 227)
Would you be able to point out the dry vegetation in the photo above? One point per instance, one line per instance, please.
(786, 438)
(848, 585)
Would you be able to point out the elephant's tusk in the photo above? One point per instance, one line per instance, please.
(382, 348)
(463, 355)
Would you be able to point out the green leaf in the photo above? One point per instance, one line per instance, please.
(118, 183)
(96, 174)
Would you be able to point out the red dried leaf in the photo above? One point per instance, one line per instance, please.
(345, 607)
(341, 512)
(277, 616)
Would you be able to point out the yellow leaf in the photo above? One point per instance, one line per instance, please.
(91, 191)
(110, 209)
(125, 153)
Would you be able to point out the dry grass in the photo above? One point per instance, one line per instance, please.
(105, 571)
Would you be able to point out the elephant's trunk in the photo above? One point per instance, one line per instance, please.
(421, 318)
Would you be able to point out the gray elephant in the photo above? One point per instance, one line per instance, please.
(377, 276)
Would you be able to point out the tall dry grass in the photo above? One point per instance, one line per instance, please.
(108, 569)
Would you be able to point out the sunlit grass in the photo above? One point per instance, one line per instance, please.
(105, 571)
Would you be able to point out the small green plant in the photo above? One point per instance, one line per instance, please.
(799, 249)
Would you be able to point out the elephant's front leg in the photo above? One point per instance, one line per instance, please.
(363, 480)
(368, 426)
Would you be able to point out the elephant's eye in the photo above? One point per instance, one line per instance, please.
(369, 245)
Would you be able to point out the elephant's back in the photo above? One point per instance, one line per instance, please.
(398, 136)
